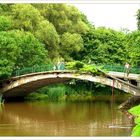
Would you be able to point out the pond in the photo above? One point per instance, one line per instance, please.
(94, 118)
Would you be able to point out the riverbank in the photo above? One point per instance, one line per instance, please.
(131, 108)
(43, 97)
(135, 111)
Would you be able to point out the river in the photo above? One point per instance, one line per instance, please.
(96, 118)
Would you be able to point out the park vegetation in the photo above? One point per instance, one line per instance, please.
(40, 34)
(45, 34)
(135, 111)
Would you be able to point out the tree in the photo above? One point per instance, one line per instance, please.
(9, 53)
(104, 46)
(64, 17)
(47, 34)
(20, 49)
(25, 17)
(5, 23)
(138, 19)
(48, 23)
(133, 48)
(70, 43)
(5, 9)
(32, 52)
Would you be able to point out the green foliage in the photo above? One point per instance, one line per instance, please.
(89, 68)
(20, 49)
(76, 65)
(32, 53)
(51, 32)
(137, 120)
(70, 43)
(41, 32)
(64, 17)
(49, 21)
(47, 34)
(138, 19)
(75, 91)
(1, 101)
(5, 23)
(28, 18)
(136, 112)
(56, 93)
(69, 24)
(36, 96)
(25, 16)
(133, 48)
(70, 90)
(104, 46)
(5, 9)
(136, 130)
(9, 53)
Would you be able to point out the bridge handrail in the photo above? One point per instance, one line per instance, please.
(33, 69)
(50, 67)
(119, 68)
(115, 78)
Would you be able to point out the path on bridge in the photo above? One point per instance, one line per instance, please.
(123, 75)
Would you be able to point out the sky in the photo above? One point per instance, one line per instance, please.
(115, 16)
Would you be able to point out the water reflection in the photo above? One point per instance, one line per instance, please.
(63, 119)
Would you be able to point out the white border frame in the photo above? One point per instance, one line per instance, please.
(74, 1)
(71, 2)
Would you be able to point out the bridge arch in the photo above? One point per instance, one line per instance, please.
(22, 85)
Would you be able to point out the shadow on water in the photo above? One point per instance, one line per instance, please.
(14, 99)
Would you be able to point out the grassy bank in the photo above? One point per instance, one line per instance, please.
(135, 111)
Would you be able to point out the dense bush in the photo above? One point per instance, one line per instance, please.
(136, 112)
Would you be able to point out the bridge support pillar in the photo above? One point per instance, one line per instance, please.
(1, 98)
(138, 83)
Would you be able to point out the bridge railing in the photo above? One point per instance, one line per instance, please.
(135, 70)
(33, 69)
(51, 67)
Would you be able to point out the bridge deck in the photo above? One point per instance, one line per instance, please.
(24, 84)
(131, 76)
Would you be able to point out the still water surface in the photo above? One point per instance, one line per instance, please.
(97, 118)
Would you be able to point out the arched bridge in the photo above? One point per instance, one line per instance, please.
(24, 84)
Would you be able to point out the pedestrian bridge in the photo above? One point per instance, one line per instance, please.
(24, 84)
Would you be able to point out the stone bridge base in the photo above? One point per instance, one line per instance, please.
(131, 102)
